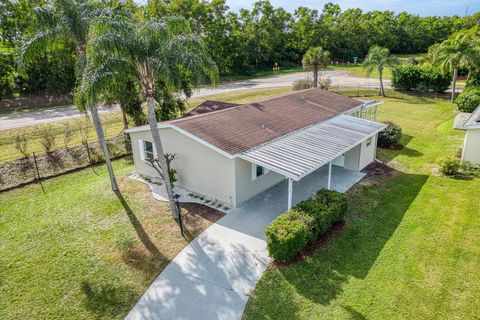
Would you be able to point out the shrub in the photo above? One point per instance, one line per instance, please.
(302, 85)
(21, 144)
(324, 83)
(468, 100)
(390, 136)
(469, 168)
(420, 78)
(68, 133)
(407, 77)
(286, 236)
(318, 212)
(473, 79)
(47, 138)
(335, 201)
(449, 165)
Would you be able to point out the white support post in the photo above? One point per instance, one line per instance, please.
(329, 184)
(290, 193)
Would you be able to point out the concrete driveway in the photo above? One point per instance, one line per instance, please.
(338, 77)
(212, 277)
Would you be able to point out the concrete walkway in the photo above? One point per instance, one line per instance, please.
(212, 277)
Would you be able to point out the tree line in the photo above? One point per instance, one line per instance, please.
(239, 42)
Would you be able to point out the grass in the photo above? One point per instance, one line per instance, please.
(261, 74)
(359, 72)
(410, 248)
(79, 251)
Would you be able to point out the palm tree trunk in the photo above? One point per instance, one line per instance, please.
(454, 83)
(315, 77)
(382, 91)
(103, 143)
(152, 121)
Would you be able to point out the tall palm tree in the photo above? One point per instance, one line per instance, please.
(69, 19)
(151, 52)
(314, 59)
(379, 58)
(459, 51)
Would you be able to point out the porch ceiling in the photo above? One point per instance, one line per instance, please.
(302, 152)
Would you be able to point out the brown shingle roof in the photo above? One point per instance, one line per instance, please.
(210, 106)
(237, 129)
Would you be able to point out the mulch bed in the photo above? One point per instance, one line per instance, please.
(207, 213)
(378, 169)
(337, 228)
(31, 102)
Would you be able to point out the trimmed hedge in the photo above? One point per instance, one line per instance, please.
(390, 136)
(286, 236)
(291, 231)
(468, 100)
(449, 165)
(420, 78)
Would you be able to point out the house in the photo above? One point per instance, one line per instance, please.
(470, 122)
(234, 152)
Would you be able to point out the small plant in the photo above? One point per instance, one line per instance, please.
(390, 136)
(47, 138)
(302, 84)
(68, 133)
(226, 208)
(449, 165)
(324, 83)
(126, 244)
(21, 144)
(469, 168)
(83, 127)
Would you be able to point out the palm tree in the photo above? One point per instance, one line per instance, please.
(314, 59)
(459, 51)
(379, 58)
(151, 52)
(69, 19)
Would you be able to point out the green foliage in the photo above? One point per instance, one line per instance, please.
(419, 78)
(474, 79)
(449, 165)
(468, 100)
(469, 168)
(286, 236)
(390, 136)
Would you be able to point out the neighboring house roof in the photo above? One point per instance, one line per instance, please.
(465, 121)
(210, 106)
(302, 152)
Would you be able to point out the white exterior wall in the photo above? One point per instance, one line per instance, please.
(471, 147)
(361, 156)
(246, 187)
(199, 168)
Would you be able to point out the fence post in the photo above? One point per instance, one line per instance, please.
(36, 167)
(358, 89)
(88, 152)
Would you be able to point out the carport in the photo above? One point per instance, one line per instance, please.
(300, 153)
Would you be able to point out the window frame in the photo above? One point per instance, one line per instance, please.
(146, 155)
(369, 141)
(255, 174)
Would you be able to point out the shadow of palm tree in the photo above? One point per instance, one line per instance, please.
(107, 300)
(141, 233)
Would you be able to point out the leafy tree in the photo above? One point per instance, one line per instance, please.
(379, 58)
(314, 59)
(459, 51)
(150, 52)
(69, 19)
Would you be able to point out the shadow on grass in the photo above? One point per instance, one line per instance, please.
(107, 300)
(390, 154)
(377, 206)
(141, 233)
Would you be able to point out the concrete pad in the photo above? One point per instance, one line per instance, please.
(212, 277)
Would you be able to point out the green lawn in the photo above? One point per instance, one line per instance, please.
(410, 248)
(359, 72)
(79, 251)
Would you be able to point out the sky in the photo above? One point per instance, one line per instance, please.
(420, 7)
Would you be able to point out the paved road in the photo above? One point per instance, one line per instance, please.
(43, 116)
(213, 276)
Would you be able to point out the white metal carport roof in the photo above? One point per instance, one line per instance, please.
(302, 152)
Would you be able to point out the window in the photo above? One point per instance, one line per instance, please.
(147, 147)
(258, 171)
(369, 141)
